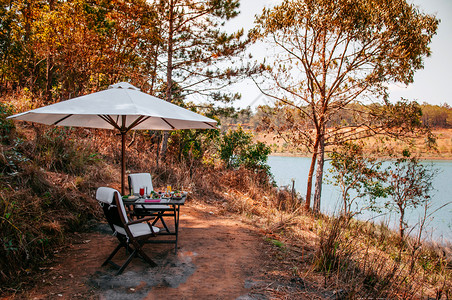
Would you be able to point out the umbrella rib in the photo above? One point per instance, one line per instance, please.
(210, 125)
(62, 119)
(110, 121)
(172, 127)
(138, 121)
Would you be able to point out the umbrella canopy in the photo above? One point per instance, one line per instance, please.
(121, 107)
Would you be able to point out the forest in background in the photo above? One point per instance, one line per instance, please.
(436, 117)
(433, 116)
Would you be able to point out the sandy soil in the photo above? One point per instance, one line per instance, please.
(219, 257)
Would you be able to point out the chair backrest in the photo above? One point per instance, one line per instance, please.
(138, 180)
(111, 202)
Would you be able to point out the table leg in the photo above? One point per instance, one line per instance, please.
(176, 224)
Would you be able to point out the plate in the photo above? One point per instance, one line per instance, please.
(130, 198)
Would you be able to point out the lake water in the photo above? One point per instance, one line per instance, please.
(439, 227)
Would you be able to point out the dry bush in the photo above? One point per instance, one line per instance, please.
(39, 207)
(36, 216)
(365, 261)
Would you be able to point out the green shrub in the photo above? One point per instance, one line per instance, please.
(6, 126)
(192, 144)
(238, 149)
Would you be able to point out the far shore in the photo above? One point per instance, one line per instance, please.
(422, 157)
(443, 146)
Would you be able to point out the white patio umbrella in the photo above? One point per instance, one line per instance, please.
(121, 107)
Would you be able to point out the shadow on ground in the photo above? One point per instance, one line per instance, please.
(137, 282)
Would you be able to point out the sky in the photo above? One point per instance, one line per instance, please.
(431, 84)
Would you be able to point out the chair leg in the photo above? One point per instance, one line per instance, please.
(134, 248)
(108, 260)
(146, 258)
(138, 246)
(129, 259)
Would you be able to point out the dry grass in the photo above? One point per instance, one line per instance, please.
(352, 258)
(41, 205)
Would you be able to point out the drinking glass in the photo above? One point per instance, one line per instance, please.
(142, 191)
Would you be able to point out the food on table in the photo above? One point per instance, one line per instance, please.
(154, 195)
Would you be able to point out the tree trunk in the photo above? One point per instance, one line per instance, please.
(49, 78)
(321, 130)
(307, 204)
(344, 201)
(401, 225)
(164, 146)
(49, 69)
(319, 175)
(154, 71)
(169, 73)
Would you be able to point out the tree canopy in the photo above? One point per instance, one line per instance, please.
(332, 54)
(61, 49)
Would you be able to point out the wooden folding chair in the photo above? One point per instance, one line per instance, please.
(132, 235)
(138, 180)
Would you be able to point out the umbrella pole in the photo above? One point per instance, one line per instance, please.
(123, 162)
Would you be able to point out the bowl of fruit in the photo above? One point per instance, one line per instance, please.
(177, 195)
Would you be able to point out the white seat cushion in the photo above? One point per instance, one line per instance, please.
(137, 230)
(105, 194)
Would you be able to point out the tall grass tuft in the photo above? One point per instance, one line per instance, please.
(366, 261)
(42, 199)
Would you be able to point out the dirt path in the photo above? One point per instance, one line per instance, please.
(219, 257)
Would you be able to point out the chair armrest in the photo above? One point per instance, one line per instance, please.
(137, 221)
